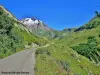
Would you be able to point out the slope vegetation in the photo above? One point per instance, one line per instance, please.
(62, 60)
(14, 36)
(75, 54)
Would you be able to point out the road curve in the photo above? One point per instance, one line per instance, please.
(21, 63)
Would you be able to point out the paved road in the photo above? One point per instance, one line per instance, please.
(21, 63)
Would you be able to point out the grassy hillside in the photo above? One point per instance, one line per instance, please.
(62, 60)
(65, 56)
(14, 36)
(81, 36)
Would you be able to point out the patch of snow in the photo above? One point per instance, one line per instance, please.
(30, 22)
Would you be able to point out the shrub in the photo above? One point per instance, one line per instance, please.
(10, 38)
(42, 51)
(89, 50)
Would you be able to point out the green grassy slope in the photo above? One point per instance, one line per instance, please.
(81, 36)
(14, 36)
(61, 59)
(92, 28)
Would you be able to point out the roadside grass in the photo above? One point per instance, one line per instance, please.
(62, 60)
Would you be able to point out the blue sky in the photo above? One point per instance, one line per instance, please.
(57, 14)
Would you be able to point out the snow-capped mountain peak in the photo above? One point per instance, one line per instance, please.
(31, 21)
(33, 24)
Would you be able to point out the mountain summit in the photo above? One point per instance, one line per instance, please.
(33, 23)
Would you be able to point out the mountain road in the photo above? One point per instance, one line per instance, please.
(21, 63)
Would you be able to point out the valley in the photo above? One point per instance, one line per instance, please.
(30, 45)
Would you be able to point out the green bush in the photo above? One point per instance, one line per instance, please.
(42, 51)
(89, 50)
(10, 38)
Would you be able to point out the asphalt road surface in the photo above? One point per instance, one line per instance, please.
(21, 63)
